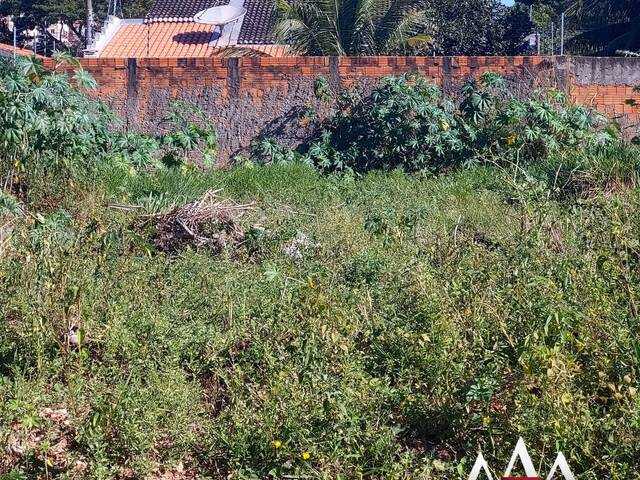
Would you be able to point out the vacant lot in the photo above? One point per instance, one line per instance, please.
(427, 279)
(386, 326)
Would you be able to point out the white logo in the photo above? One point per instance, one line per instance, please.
(521, 453)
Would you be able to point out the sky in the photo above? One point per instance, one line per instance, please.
(507, 2)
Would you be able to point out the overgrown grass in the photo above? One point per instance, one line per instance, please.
(427, 318)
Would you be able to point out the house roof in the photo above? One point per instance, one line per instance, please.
(259, 22)
(257, 25)
(8, 50)
(179, 40)
(179, 10)
(169, 30)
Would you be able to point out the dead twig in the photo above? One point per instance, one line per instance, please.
(210, 222)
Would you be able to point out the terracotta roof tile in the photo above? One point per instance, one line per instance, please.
(7, 51)
(179, 40)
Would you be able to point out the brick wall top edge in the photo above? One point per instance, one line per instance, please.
(606, 70)
(191, 62)
(103, 62)
(305, 60)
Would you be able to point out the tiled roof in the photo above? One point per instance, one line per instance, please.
(179, 10)
(7, 51)
(257, 24)
(178, 40)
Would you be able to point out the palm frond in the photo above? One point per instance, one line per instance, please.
(306, 27)
(397, 37)
(347, 27)
(620, 9)
(402, 20)
(364, 25)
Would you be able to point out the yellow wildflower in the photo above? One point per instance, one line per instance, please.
(305, 455)
(277, 444)
(511, 139)
(485, 420)
(444, 125)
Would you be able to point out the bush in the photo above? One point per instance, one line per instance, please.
(503, 127)
(407, 122)
(404, 123)
(190, 133)
(269, 151)
(49, 126)
(46, 123)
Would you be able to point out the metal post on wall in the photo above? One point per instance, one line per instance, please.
(88, 11)
(15, 40)
(562, 34)
(538, 42)
(553, 39)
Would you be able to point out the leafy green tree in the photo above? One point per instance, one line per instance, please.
(30, 14)
(349, 27)
(477, 27)
(369, 27)
(609, 25)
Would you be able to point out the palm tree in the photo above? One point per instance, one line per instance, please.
(616, 25)
(350, 27)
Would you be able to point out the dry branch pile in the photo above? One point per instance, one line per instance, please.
(211, 222)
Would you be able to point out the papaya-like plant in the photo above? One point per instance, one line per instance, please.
(47, 122)
(406, 122)
(503, 127)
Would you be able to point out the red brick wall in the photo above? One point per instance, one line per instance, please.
(252, 97)
(610, 99)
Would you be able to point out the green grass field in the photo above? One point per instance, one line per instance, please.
(385, 326)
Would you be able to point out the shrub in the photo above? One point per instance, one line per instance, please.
(190, 133)
(269, 150)
(46, 123)
(189, 136)
(408, 123)
(635, 104)
(504, 127)
(405, 122)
